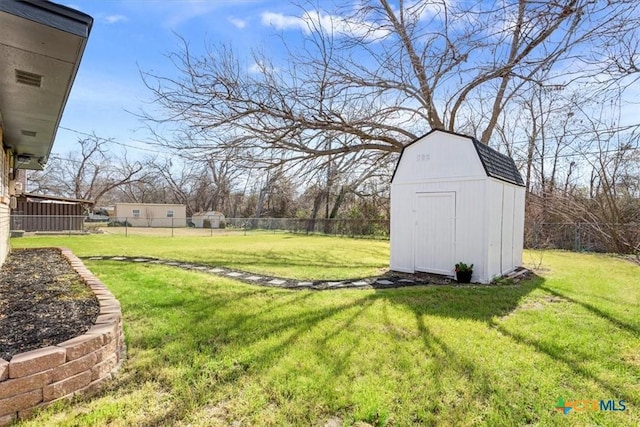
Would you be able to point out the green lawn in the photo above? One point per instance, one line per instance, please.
(204, 350)
(283, 255)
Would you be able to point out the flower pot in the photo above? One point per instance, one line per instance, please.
(464, 276)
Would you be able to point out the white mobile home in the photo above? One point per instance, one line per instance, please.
(151, 214)
(455, 199)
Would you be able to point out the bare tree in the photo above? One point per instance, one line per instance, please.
(89, 173)
(373, 77)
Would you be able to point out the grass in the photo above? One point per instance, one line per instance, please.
(283, 255)
(205, 350)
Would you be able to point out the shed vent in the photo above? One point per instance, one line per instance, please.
(28, 133)
(27, 78)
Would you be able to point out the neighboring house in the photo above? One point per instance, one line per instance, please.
(151, 214)
(455, 199)
(41, 44)
(210, 219)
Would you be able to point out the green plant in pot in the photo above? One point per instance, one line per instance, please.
(463, 272)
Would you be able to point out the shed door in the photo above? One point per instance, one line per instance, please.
(434, 232)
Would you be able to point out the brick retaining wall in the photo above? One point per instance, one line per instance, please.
(81, 365)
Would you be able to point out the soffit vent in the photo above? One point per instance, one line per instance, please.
(27, 78)
(28, 133)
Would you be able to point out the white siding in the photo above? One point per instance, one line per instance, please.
(151, 214)
(4, 203)
(402, 228)
(489, 213)
(214, 217)
(4, 232)
(518, 225)
(493, 209)
(439, 156)
(506, 261)
(434, 246)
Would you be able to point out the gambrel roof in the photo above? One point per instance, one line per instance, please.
(496, 164)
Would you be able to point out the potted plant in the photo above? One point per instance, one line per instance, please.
(464, 272)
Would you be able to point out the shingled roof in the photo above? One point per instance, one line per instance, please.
(496, 164)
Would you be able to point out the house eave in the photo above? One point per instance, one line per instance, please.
(43, 41)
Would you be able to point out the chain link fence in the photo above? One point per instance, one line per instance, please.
(41, 224)
(583, 237)
(579, 237)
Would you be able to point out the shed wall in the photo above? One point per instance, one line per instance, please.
(469, 223)
(438, 156)
(489, 213)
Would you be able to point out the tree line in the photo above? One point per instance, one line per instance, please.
(318, 131)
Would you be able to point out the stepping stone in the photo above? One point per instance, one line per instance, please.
(173, 263)
(96, 257)
(200, 267)
(277, 282)
(384, 282)
(156, 261)
(216, 270)
(304, 284)
(334, 284)
(186, 265)
(359, 283)
(253, 278)
(119, 258)
(140, 260)
(235, 274)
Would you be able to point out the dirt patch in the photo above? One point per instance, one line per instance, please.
(43, 301)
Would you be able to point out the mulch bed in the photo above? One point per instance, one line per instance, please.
(43, 302)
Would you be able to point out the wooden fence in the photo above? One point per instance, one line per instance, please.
(36, 216)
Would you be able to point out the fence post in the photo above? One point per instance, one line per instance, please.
(70, 225)
(577, 242)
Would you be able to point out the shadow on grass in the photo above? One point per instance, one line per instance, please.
(596, 311)
(217, 335)
(473, 302)
(490, 305)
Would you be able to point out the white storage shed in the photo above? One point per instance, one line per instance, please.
(456, 199)
(210, 219)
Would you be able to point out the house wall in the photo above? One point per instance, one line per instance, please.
(151, 214)
(5, 211)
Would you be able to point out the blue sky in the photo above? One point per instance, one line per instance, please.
(133, 35)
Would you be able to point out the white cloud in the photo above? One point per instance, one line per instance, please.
(283, 22)
(114, 19)
(237, 22)
(332, 24)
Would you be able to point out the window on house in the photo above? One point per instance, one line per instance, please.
(169, 213)
(136, 213)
